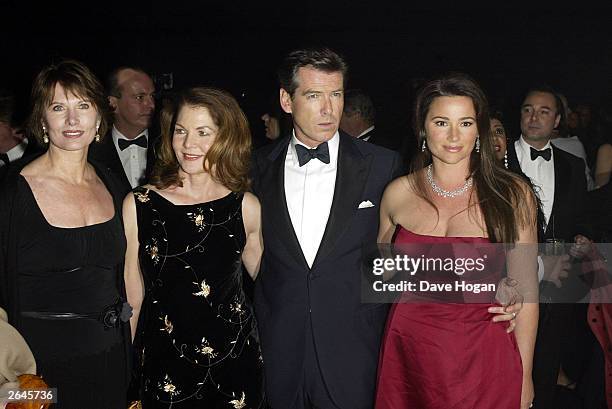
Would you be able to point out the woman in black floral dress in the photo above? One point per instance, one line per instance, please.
(189, 234)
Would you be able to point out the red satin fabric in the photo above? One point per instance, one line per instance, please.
(446, 356)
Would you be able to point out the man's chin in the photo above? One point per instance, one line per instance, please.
(537, 137)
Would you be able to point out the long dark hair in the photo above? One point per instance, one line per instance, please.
(498, 191)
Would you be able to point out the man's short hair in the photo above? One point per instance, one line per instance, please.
(322, 59)
(113, 87)
(560, 108)
(358, 102)
(547, 89)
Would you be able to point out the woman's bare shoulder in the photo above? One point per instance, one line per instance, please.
(401, 187)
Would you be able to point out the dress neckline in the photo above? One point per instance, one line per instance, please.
(42, 215)
(400, 227)
(222, 198)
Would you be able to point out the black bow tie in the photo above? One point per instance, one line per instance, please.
(4, 158)
(545, 154)
(140, 141)
(321, 152)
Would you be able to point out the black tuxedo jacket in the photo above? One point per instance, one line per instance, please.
(570, 193)
(370, 135)
(559, 322)
(106, 154)
(289, 296)
(380, 139)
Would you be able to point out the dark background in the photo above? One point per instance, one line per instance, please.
(390, 48)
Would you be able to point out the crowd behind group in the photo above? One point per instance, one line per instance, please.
(153, 258)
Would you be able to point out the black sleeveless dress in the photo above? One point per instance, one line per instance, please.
(73, 271)
(199, 340)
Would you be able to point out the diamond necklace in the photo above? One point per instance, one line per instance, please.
(447, 193)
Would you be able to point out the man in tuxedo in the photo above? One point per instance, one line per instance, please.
(558, 179)
(358, 115)
(13, 144)
(320, 191)
(128, 149)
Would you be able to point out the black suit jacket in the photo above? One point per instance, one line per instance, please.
(380, 139)
(570, 194)
(106, 154)
(289, 296)
(562, 328)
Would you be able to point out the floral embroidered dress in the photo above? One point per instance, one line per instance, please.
(197, 329)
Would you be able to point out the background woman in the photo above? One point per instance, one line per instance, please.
(500, 137)
(443, 355)
(188, 234)
(62, 244)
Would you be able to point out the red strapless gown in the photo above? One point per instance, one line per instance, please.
(446, 356)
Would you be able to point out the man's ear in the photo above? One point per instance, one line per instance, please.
(285, 101)
(557, 120)
(112, 101)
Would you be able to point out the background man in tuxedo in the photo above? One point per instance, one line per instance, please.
(558, 179)
(13, 144)
(320, 191)
(358, 115)
(127, 149)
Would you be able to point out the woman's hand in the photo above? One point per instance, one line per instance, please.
(507, 313)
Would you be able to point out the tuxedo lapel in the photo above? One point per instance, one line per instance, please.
(562, 175)
(273, 194)
(151, 154)
(351, 177)
(105, 153)
(513, 163)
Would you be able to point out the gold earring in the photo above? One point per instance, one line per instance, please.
(97, 137)
(45, 136)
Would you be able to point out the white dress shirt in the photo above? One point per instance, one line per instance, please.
(133, 158)
(365, 132)
(309, 191)
(16, 152)
(541, 173)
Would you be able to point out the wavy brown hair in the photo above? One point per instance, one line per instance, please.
(76, 79)
(500, 192)
(228, 158)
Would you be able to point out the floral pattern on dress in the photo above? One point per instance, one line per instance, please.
(176, 241)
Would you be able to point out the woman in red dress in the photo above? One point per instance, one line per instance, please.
(451, 355)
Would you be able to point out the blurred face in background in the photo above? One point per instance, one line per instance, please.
(135, 107)
(9, 136)
(584, 115)
(573, 120)
(500, 142)
(272, 126)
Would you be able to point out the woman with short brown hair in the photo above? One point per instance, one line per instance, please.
(62, 245)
